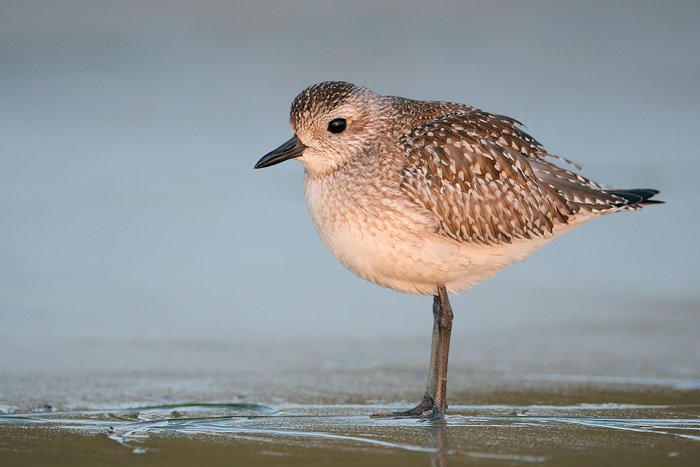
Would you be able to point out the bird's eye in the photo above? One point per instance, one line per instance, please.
(337, 126)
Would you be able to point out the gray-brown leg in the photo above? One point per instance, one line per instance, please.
(444, 320)
(435, 392)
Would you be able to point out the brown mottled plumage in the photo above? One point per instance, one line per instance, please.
(432, 197)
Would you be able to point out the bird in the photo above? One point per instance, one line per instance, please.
(432, 198)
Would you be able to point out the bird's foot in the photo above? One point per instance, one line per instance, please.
(418, 411)
(436, 414)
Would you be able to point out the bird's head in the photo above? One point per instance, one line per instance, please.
(332, 121)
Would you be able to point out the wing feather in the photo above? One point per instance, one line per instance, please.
(487, 181)
(472, 173)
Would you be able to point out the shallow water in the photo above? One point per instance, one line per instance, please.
(301, 401)
(245, 434)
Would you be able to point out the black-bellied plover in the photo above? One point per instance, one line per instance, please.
(432, 197)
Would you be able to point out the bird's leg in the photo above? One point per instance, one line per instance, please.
(443, 318)
(435, 391)
(429, 397)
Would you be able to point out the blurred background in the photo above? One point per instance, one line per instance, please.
(135, 234)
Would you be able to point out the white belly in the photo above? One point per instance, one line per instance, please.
(396, 246)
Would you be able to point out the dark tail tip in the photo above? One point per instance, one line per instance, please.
(637, 196)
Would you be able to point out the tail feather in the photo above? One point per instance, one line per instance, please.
(637, 196)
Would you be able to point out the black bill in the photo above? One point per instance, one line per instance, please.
(289, 150)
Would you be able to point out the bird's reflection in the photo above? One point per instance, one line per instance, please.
(437, 440)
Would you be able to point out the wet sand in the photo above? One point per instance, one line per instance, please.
(301, 401)
(218, 434)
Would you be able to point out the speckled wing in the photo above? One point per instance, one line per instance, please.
(473, 173)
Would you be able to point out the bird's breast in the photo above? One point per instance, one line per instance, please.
(379, 235)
